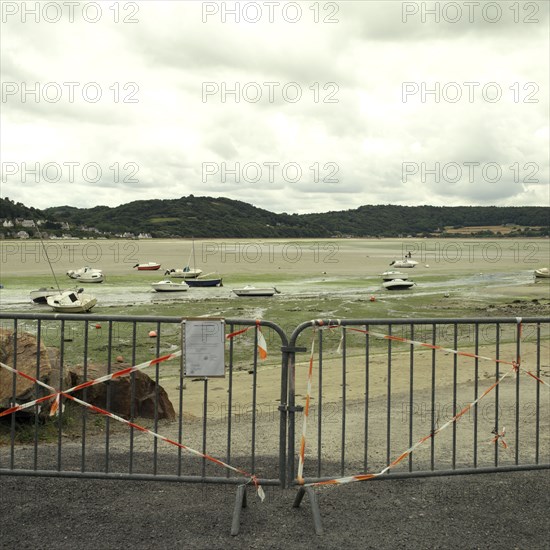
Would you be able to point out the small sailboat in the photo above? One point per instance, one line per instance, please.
(71, 301)
(187, 272)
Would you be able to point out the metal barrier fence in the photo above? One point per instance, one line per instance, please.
(471, 391)
(221, 430)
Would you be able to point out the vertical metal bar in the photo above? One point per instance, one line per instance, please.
(254, 388)
(367, 367)
(320, 405)
(291, 464)
(180, 394)
(204, 421)
(518, 359)
(283, 416)
(497, 387)
(14, 395)
(156, 406)
(84, 398)
(60, 387)
(133, 398)
(411, 394)
(230, 398)
(476, 389)
(388, 412)
(455, 377)
(432, 412)
(108, 397)
(36, 392)
(537, 401)
(344, 391)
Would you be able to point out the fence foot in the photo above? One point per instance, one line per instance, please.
(314, 503)
(240, 503)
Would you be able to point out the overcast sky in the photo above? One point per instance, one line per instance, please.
(317, 106)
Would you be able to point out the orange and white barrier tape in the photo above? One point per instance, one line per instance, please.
(405, 454)
(499, 436)
(104, 412)
(106, 378)
(86, 384)
(261, 344)
(362, 477)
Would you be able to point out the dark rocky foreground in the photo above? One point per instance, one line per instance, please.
(504, 510)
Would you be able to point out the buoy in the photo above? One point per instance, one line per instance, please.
(152, 334)
(372, 299)
(426, 265)
(97, 325)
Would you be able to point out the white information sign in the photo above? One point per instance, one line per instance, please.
(204, 347)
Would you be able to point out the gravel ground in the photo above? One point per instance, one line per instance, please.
(504, 510)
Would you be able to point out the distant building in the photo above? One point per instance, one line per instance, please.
(27, 223)
(7, 223)
(22, 235)
(144, 236)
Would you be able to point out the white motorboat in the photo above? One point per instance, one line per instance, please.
(406, 263)
(254, 291)
(170, 286)
(39, 296)
(185, 273)
(398, 284)
(542, 273)
(87, 275)
(391, 275)
(71, 301)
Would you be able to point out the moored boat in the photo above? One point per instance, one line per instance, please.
(398, 284)
(406, 263)
(205, 282)
(71, 301)
(254, 291)
(542, 273)
(391, 275)
(170, 286)
(86, 275)
(149, 266)
(39, 296)
(185, 273)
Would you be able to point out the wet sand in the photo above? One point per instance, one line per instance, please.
(346, 257)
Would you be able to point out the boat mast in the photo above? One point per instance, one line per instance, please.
(46, 254)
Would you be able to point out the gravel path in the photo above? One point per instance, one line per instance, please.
(505, 510)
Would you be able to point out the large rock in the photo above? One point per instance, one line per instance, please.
(28, 356)
(120, 398)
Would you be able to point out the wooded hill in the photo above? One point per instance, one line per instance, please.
(221, 217)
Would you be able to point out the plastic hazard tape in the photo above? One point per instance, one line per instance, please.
(515, 364)
(57, 395)
(516, 368)
(104, 412)
(262, 344)
(405, 454)
(79, 387)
